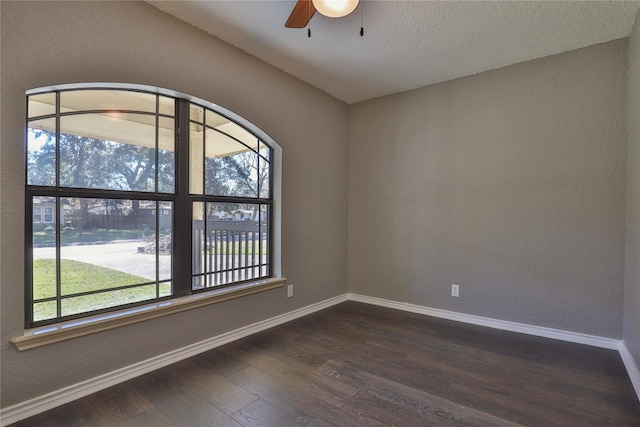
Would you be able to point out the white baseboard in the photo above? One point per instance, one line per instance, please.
(40, 404)
(632, 368)
(522, 328)
(51, 400)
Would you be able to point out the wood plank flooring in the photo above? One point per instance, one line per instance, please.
(356, 364)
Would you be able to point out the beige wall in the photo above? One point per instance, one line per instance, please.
(510, 183)
(632, 276)
(62, 42)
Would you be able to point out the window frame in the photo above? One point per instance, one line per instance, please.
(182, 199)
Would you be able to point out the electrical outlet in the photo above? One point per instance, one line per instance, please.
(289, 291)
(455, 290)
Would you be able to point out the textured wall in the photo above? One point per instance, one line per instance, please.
(62, 42)
(510, 183)
(632, 273)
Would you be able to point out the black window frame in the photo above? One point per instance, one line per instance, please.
(182, 200)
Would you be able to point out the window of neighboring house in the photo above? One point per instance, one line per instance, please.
(37, 214)
(47, 214)
(107, 159)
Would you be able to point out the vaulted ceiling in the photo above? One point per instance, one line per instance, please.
(406, 44)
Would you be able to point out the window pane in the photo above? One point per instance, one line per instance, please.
(109, 153)
(41, 152)
(165, 251)
(83, 100)
(82, 304)
(231, 245)
(265, 239)
(166, 105)
(41, 105)
(196, 113)
(264, 175)
(264, 151)
(44, 250)
(128, 128)
(165, 289)
(231, 168)
(108, 243)
(44, 311)
(196, 137)
(198, 245)
(214, 119)
(166, 156)
(232, 129)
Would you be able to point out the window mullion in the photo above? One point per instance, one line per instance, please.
(58, 261)
(183, 206)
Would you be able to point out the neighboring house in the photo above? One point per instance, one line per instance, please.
(149, 209)
(237, 215)
(243, 215)
(98, 215)
(44, 212)
(220, 216)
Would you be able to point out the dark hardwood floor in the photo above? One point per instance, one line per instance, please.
(356, 364)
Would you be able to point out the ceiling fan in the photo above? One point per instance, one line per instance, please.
(304, 10)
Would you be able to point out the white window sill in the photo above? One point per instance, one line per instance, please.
(50, 334)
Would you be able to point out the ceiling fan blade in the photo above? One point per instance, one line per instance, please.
(301, 14)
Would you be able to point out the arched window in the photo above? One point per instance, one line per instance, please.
(139, 194)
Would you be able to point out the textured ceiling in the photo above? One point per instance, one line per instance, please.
(407, 44)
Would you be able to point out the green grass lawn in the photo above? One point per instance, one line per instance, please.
(79, 277)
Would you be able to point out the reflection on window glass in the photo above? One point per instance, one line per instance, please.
(166, 105)
(42, 105)
(114, 164)
(196, 113)
(99, 99)
(238, 133)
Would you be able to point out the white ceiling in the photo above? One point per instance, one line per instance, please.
(406, 44)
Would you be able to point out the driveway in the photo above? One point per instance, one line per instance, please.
(117, 256)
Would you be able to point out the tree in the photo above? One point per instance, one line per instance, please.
(87, 162)
(41, 159)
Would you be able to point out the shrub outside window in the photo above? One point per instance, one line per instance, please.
(139, 194)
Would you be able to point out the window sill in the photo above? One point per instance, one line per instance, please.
(50, 334)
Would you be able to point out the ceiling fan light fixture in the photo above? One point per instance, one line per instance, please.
(335, 8)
